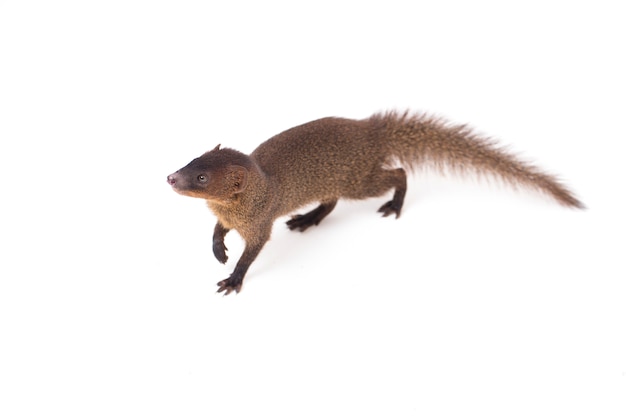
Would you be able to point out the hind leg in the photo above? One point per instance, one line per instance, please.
(312, 218)
(395, 178)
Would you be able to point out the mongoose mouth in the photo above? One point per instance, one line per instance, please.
(173, 180)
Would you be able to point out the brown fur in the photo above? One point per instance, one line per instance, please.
(332, 158)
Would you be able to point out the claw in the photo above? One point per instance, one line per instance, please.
(227, 287)
(390, 208)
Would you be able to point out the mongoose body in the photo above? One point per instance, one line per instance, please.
(333, 158)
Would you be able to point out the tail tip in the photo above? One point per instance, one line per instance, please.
(572, 202)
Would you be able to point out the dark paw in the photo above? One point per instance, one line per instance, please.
(229, 285)
(302, 222)
(390, 208)
(219, 250)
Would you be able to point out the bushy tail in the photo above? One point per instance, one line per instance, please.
(417, 140)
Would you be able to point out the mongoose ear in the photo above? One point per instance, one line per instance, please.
(217, 148)
(238, 178)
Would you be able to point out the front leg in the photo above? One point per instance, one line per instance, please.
(219, 248)
(252, 249)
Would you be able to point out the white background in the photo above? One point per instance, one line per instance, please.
(477, 301)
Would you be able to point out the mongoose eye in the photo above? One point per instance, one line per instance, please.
(202, 178)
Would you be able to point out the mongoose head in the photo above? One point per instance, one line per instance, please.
(218, 175)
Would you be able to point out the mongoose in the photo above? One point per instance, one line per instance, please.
(332, 158)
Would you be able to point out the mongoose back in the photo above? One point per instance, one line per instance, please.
(332, 158)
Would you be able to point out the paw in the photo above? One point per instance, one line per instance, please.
(301, 222)
(229, 285)
(219, 250)
(390, 207)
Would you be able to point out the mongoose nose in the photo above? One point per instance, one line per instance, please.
(171, 180)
